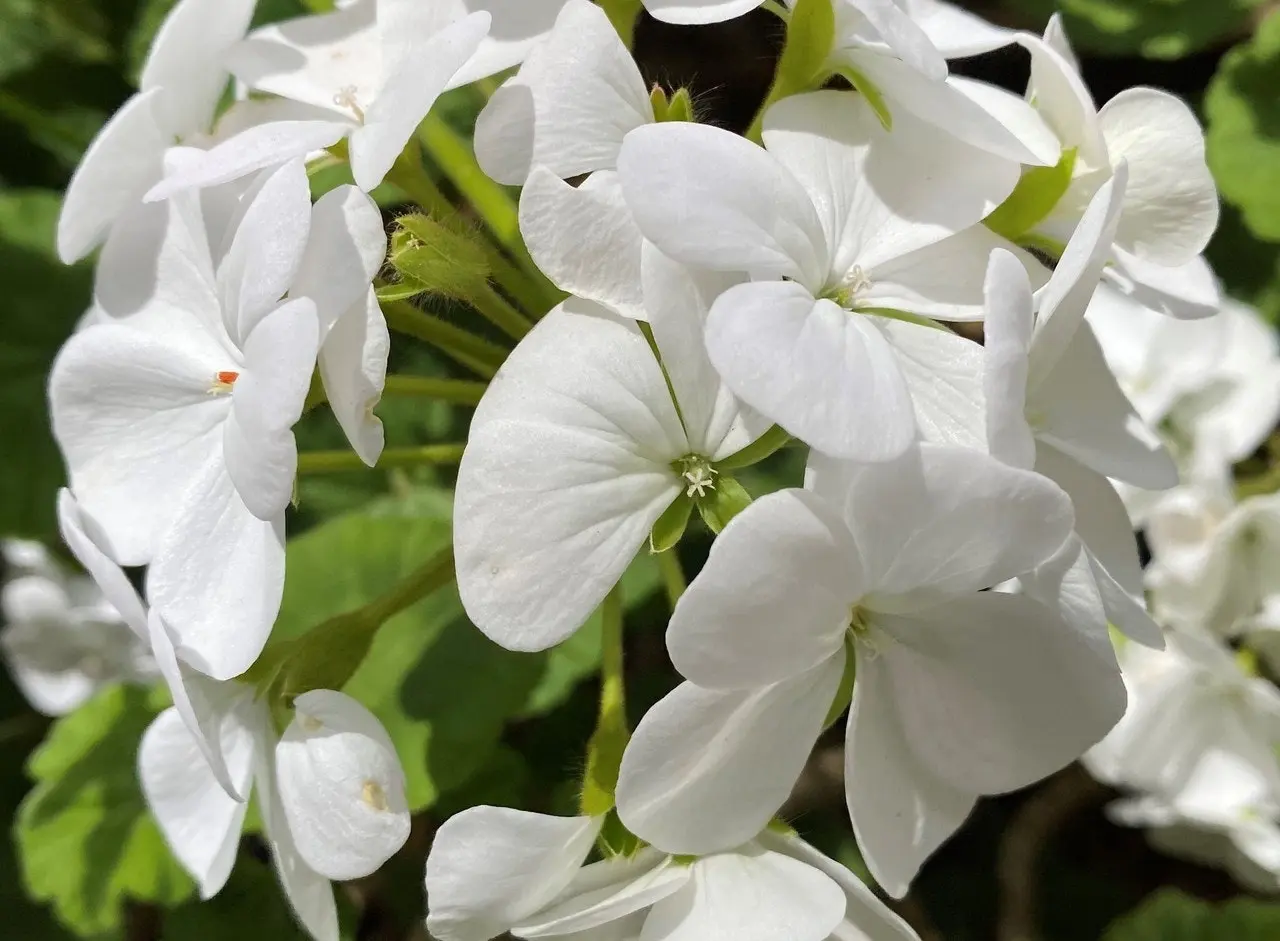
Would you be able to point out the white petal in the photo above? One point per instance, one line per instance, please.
(698, 12)
(943, 521)
(187, 60)
(1064, 300)
(942, 280)
(264, 145)
(681, 786)
(1080, 410)
(995, 691)
(824, 374)
(944, 374)
(309, 894)
(901, 812)
(200, 822)
(218, 577)
(904, 36)
(519, 26)
(708, 197)
(85, 539)
(353, 365)
(567, 467)
(266, 402)
(1017, 116)
(1058, 92)
(345, 250)
(964, 123)
(869, 917)
(608, 891)
(570, 105)
(955, 31)
(341, 786)
(202, 703)
(492, 867)
(414, 82)
(880, 194)
(1188, 291)
(1007, 333)
(124, 159)
(135, 421)
(749, 895)
(1171, 207)
(1100, 518)
(677, 300)
(773, 599)
(266, 251)
(584, 238)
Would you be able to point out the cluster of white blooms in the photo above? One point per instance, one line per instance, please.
(1198, 745)
(729, 295)
(62, 639)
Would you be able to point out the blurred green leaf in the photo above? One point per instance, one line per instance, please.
(1243, 133)
(1157, 29)
(1170, 915)
(41, 303)
(86, 843)
(31, 29)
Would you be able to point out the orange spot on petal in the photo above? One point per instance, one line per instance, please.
(228, 378)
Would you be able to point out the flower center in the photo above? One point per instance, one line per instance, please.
(346, 98)
(864, 632)
(699, 476)
(851, 286)
(223, 381)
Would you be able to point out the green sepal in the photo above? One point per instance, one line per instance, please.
(616, 840)
(723, 503)
(1038, 191)
(844, 694)
(870, 91)
(440, 258)
(811, 35)
(604, 759)
(670, 527)
(679, 107)
(766, 445)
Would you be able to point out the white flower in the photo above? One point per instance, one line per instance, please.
(62, 639)
(836, 221)
(182, 81)
(954, 30)
(565, 113)
(369, 72)
(341, 786)
(578, 447)
(176, 423)
(959, 692)
(1171, 203)
(1053, 405)
(493, 870)
(330, 792)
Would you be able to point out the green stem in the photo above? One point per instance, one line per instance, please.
(478, 355)
(430, 577)
(455, 391)
(336, 462)
(501, 314)
(623, 14)
(609, 741)
(672, 576)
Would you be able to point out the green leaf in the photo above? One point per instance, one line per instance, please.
(42, 301)
(1170, 915)
(1157, 29)
(85, 841)
(1243, 132)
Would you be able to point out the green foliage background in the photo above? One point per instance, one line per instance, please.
(474, 723)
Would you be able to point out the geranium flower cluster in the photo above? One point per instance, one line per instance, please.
(1197, 747)
(945, 573)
